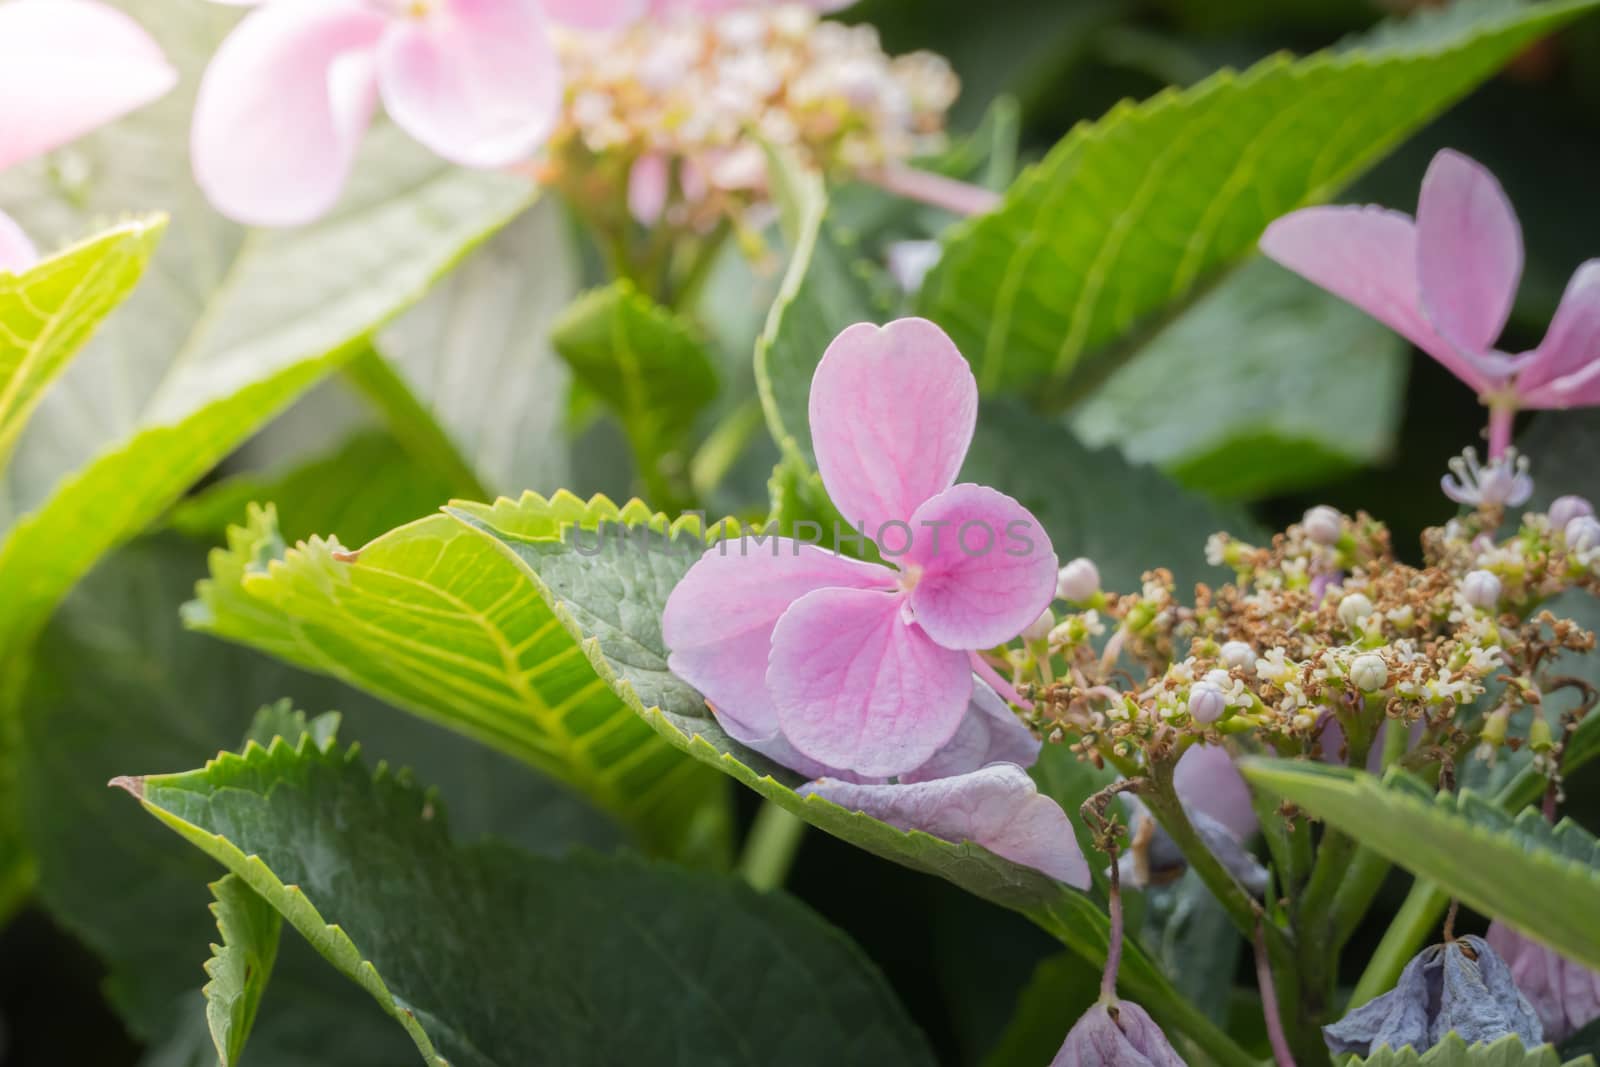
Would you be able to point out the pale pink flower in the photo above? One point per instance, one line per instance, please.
(66, 68)
(862, 666)
(288, 96)
(1446, 281)
(1116, 1033)
(1566, 995)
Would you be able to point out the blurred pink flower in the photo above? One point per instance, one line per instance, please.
(285, 102)
(67, 67)
(861, 666)
(1566, 995)
(1446, 282)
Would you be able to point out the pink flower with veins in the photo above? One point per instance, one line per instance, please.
(1565, 994)
(290, 93)
(593, 15)
(66, 68)
(861, 666)
(1445, 281)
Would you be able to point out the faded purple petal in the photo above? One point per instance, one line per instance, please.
(1208, 782)
(1116, 1035)
(1566, 995)
(990, 733)
(998, 807)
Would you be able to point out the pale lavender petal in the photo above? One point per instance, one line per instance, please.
(17, 253)
(648, 184)
(477, 81)
(858, 687)
(989, 733)
(983, 567)
(1565, 994)
(282, 109)
(1208, 782)
(998, 807)
(1566, 361)
(1469, 251)
(1116, 1035)
(68, 67)
(1367, 256)
(718, 621)
(892, 413)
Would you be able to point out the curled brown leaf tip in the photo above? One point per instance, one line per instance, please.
(134, 784)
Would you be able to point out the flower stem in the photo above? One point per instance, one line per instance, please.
(770, 848)
(1269, 1004)
(1108, 977)
(1501, 419)
(983, 669)
(958, 197)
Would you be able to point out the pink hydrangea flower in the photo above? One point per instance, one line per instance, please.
(67, 67)
(1566, 995)
(290, 93)
(862, 666)
(1446, 281)
(597, 15)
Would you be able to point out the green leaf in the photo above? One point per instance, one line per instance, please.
(433, 618)
(241, 966)
(1266, 384)
(609, 592)
(645, 362)
(350, 493)
(50, 310)
(362, 864)
(821, 294)
(1454, 1052)
(1134, 212)
(117, 684)
(282, 719)
(1541, 879)
(473, 378)
(1062, 989)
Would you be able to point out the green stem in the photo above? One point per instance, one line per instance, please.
(1367, 869)
(723, 447)
(770, 848)
(1426, 903)
(412, 425)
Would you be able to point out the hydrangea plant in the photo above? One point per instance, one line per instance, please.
(1049, 518)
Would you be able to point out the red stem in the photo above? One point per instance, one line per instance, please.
(981, 667)
(1501, 418)
(1108, 979)
(962, 198)
(1269, 1005)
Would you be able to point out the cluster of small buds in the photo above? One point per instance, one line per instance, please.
(671, 115)
(1324, 625)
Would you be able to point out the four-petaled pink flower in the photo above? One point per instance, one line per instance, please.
(859, 666)
(285, 102)
(1446, 282)
(66, 67)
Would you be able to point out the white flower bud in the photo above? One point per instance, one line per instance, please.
(1369, 672)
(1039, 629)
(1078, 580)
(1353, 608)
(1238, 654)
(1582, 533)
(1323, 525)
(1220, 678)
(1481, 589)
(1566, 508)
(1206, 702)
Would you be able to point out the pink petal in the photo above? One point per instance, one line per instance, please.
(1566, 361)
(989, 733)
(986, 567)
(477, 81)
(1367, 256)
(1565, 994)
(67, 67)
(718, 622)
(1469, 251)
(1208, 782)
(892, 414)
(858, 687)
(594, 14)
(648, 183)
(282, 109)
(17, 253)
(998, 807)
